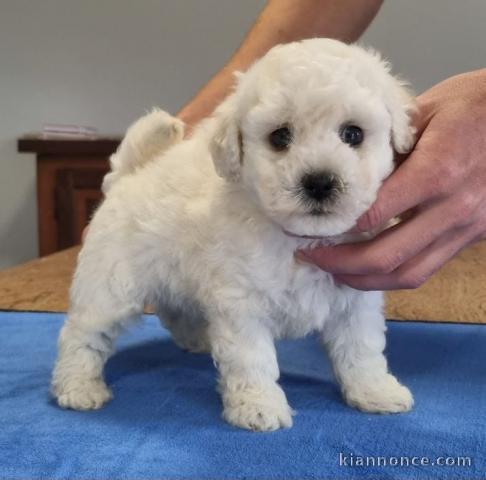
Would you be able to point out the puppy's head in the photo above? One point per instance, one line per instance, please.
(310, 132)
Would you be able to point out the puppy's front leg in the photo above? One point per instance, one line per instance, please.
(355, 342)
(245, 356)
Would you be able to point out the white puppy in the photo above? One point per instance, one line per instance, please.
(207, 232)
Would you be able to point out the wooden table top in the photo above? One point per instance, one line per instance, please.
(457, 293)
(58, 145)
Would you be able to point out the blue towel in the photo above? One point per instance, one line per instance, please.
(165, 420)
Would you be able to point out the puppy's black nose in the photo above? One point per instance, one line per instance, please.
(320, 186)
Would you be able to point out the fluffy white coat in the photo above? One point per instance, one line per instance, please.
(207, 229)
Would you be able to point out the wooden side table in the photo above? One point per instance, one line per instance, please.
(69, 176)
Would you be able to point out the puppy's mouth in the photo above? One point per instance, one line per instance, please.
(319, 212)
(309, 237)
(314, 212)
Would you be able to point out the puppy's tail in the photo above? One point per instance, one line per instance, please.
(148, 137)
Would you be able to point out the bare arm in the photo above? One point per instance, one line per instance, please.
(283, 21)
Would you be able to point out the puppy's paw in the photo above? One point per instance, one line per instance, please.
(257, 411)
(83, 395)
(384, 396)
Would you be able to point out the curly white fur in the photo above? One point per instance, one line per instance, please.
(202, 233)
(149, 137)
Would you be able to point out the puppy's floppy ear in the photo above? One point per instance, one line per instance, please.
(225, 145)
(401, 104)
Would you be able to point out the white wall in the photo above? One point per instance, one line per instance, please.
(103, 62)
(429, 40)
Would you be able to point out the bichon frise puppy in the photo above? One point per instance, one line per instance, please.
(206, 231)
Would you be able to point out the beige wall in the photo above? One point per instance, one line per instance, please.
(104, 62)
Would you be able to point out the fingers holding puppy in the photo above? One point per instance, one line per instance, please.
(443, 181)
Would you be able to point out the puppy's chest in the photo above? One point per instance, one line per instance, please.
(305, 303)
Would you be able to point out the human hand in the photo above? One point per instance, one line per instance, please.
(443, 185)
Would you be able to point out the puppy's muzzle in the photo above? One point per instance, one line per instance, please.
(321, 187)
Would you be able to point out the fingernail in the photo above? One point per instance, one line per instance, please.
(303, 256)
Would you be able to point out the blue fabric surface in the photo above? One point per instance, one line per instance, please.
(165, 419)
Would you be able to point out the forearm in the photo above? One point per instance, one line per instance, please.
(283, 21)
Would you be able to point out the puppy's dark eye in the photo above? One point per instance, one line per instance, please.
(280, 139)
(352, 135)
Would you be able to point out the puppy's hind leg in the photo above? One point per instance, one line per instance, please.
(355, 344)
(103, 300)
(77, 380)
